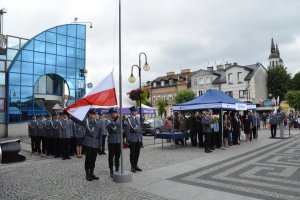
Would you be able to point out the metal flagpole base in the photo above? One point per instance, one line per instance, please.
(126, 177)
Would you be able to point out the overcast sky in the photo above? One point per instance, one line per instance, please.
(175, 34)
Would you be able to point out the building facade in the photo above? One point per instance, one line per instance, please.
(39, 73)
(166, 87)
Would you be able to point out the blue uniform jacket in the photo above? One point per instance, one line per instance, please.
(78, 130)
(133, 129)
(93, 134)
(114, 134)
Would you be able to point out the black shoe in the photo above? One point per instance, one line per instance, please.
(99, 154)
(94, 176)
(111, 174)
(133, 170)
(68, 157)
(64, 158)
(117, 169)
(208, 151)
(103, 153)
(138, 169)
(89, 177)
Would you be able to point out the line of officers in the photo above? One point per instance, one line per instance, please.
(61, 135)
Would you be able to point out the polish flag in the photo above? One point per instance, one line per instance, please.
(104, 94)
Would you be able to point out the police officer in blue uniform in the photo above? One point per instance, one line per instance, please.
(114, 141)
(66, 134)
(56, 132)
(33, 132)
(133, 132)
(41, 133)
(92, 142)
(48, 134)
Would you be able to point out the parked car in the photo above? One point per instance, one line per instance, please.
(152, 126)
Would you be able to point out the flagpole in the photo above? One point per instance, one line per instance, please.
(123, 176)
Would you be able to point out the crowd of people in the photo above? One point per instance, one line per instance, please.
(62, 135)
(206, 129)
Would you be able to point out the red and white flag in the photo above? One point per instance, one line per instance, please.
(103, 94)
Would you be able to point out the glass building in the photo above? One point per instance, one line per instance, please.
(39, 73)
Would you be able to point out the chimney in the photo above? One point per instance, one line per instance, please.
(185, 71)
(170, 73)
(210, 68)
(220, 67)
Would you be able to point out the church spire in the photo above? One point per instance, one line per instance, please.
(273, 50)
(277, 50)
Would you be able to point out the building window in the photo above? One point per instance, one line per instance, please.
(154, 84)
(229, 93)
(242, 93)
(200, 92)
(162, 83)
(171, 82)
(195, 81)
(153, 99)
(230, 78)
(2, 65)
(239, 75)
(208, 80)
(201, 81)
(2, 78)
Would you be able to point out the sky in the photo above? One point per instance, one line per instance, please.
(174, 34)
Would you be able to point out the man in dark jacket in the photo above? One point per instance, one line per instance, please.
(206, 119)
(273, 124)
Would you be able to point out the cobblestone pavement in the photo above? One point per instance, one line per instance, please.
(41, 177)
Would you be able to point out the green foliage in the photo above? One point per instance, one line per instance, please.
(295, 84)
(139, 94)
(184, 96)
(293, 98)
(161, 107)
(278, 81)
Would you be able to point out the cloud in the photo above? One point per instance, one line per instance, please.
(175, 34)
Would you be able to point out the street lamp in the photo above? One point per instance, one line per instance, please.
(132, 79)
(2, 11)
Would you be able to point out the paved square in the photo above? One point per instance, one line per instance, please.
(270, 172)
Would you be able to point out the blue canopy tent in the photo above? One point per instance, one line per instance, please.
(212, 99)
(215, 100)
(125, 110)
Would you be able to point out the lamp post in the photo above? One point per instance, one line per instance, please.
(2, 11)
(132, 79)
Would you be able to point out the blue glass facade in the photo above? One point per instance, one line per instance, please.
(56, 52)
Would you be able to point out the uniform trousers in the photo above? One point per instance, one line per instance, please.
(65, 147)
(56, 147)
(134, 153)
(43, 139)
(102, 150)
(114, 152)
(90, 158)
(38, 143)
(32, 144)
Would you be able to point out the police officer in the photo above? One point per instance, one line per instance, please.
(133, 132)
(32, 132)
(104, 121)
(56, 132)
(66, 134)
(114, 141)
(41, 133)
(78, 131)
(92, 142)
(48, 134)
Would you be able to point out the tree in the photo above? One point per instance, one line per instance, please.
(293, 99)
(161, 107)
(135, 95)
(278, 81)
(295, 83)
(184, 96)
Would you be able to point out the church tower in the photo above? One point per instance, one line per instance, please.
(274, 58)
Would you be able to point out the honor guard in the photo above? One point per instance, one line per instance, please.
(92, 142)
(33, 132)
(41, 133)
(134, 137)
(48, 133)
(104, 121)
(66, 134)
(114, 141)
(78, 131)
(56, 132)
